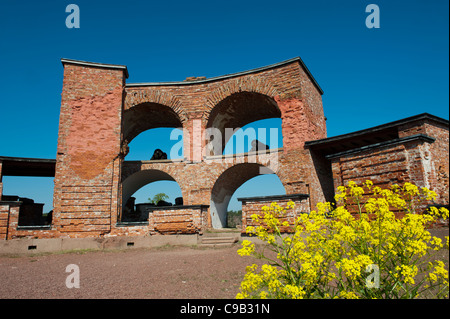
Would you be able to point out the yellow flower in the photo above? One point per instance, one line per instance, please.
(352, 184)
(263, 295)
(437, 242)
(290, 205)
(429, 194)
(410, 189)
(250, 230)
(408, 273)
(440, 271)
(247, 248)
(368, 184)
(348, 295)
(331, 247)
(294, 292)
(444, 212)
(432, 277)
(353, 267)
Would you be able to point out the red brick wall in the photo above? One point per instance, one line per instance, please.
(183, 220)
(198, 180)
(287, 88)
(437, 156)
(418, 161)
(4, 214)
(13, 219)
(178, 221)
(9, 221)
(87, 168)
(383, 166)
(255, 207)
(98, 113)
(1, 177)
(298, 99)
(434, 157)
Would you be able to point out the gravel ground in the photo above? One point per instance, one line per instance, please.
(168, 272)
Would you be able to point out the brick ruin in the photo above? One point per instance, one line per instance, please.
(101, 114)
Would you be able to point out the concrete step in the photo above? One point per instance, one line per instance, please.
(222, 233)
(215, 245)
(218, 239)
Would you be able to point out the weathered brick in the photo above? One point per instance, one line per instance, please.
(100, 115)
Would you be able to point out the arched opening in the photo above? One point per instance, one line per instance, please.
(141, 187)
(230, 181)
(237, 111)
(148, 127)
(146, 116)
(151, 131)
(168, 140)
(267, 132)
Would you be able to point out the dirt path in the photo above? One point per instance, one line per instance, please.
(177, 272)
(170, 272)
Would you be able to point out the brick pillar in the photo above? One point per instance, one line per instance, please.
(1, 183)
(299, 122)
(88, 155)
(415, 165)
(337, 172)
(193, 138)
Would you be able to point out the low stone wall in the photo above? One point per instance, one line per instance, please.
(166, 220)
(189, 219)
(254, 205)
(10, 228)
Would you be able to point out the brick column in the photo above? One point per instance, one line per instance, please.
(1, 183)
(337, 172)
(299, 122)
(88, 154)
(193, 139)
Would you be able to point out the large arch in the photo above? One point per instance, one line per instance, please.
(145, 116)
(253, 84)
(225, 186)
(136, 96)
(238, 110)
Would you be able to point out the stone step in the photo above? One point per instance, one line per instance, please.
(215, 245)
(218, 240)
(222, 233)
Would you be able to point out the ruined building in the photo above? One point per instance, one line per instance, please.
(101, 113)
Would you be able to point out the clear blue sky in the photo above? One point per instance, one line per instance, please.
(369, 76)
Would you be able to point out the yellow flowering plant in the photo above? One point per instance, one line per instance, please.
(381, 250)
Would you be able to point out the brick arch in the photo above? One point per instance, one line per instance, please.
(136, 97)
(236, 111)
(145, 116)
(248, 84)
(226, 184)
(140, 178)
